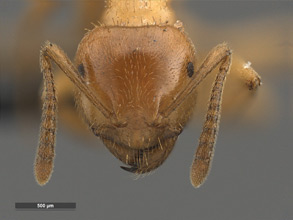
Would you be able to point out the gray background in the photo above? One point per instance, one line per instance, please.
(251, 177)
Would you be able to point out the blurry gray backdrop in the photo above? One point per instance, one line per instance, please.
(251, 177)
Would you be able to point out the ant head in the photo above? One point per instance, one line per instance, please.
(135, 72)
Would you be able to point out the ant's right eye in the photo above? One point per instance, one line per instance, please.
(190, 69)
(81, 70)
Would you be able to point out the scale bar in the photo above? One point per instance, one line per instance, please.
(45, 205)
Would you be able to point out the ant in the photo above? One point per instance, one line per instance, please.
(136, 76)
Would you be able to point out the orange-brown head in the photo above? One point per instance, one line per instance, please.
(136, 73)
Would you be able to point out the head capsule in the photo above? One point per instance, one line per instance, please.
(136, 72)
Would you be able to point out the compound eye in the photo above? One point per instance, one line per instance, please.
(190, 69)
(81, 69)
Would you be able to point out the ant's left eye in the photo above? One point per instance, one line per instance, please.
(81, 69)
(190, 69)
